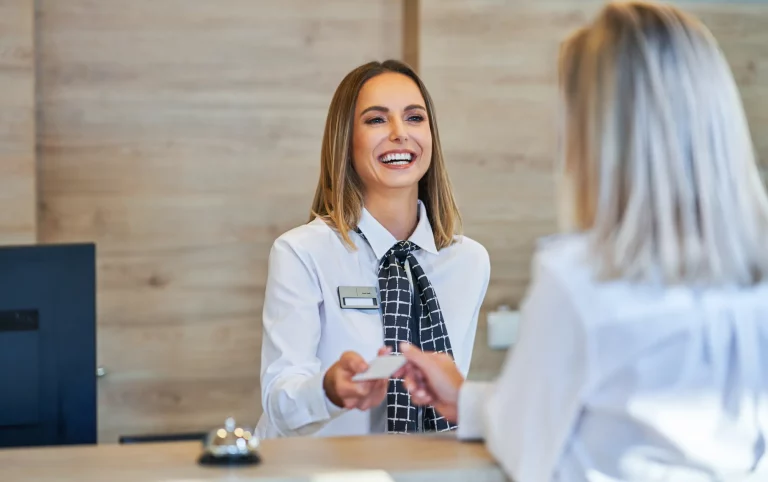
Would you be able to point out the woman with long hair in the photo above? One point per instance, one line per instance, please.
(643, 351)
(379, 263)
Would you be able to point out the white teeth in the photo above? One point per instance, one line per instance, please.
(398, 156)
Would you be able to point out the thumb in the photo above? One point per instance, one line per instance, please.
(353, 362)
(416, 356)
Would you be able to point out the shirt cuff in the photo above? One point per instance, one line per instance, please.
(471, 408)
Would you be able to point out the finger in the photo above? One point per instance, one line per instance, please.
(385, 350)
(407, 370)
(432, 366)
(401, 372)
(412, 372)
(364, 403)
(414, 375)
(413, 386)
(353, 362)
(418, 375)
(370, 386)
(349, 389)
(376, 390)
(421, 396)
(376, 396)
(415, 356)
(415, 379)
(409, 383)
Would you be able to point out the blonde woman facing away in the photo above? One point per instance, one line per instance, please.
(643, 352)
(378, 264)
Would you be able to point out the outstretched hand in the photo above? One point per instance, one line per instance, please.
(432, 379)
(344, 392)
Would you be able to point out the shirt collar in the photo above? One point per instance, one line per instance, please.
(382, 240)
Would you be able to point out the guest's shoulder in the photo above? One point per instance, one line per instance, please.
(561, 254)
(561, 264)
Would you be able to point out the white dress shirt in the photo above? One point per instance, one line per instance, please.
(306, 330)
(620, 382)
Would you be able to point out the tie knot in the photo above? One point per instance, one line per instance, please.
(401, 250)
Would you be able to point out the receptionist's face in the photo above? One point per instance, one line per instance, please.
(391, 139)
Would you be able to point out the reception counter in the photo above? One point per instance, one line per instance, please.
(379, 458)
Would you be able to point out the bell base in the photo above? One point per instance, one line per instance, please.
(229, 460)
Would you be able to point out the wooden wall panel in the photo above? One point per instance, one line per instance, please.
(740, 28)
(183, 136)
(491, 67)
(411, 28)
(17, 123)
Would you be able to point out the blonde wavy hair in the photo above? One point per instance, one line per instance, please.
(657, 153)
(339, 194)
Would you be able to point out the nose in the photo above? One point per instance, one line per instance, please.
(399, 132)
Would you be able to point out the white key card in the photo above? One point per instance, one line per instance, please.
(381, 368)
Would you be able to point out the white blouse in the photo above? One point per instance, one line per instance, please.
(622, 382)
(306, 330)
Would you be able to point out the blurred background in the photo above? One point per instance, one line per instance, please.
(183, 136)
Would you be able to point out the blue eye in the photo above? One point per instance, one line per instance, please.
(416, 118)
(375, 120)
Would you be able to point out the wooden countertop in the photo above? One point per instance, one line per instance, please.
(376, 458)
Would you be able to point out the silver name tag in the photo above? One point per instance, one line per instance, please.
(358, 297)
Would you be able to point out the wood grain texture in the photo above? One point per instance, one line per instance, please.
(18, 217)
(303, 459)
(491, 69)
(411, 29)
(183, 136)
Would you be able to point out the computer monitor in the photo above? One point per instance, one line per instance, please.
(47, 345)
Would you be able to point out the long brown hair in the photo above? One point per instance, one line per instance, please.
(339, 194)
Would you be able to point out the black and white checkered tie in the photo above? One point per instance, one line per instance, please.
(420, 323)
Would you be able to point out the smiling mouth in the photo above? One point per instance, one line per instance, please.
(397, 158)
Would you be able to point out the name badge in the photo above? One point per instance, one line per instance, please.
(358, 297)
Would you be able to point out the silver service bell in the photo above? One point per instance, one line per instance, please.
(230, 445)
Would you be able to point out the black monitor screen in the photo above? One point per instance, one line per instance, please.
(47, 345)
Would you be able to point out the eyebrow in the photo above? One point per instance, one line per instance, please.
(384, 110)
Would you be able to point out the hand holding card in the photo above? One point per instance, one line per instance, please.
(344, 390)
